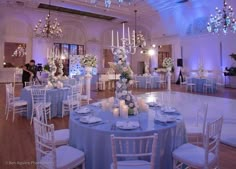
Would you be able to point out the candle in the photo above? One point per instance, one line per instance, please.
(145, 107)
(112, 38)
(122, 103)
(128, 35)
(134, 36)
(116, 112)
(123, 31)
(117, 38)
(124, 111)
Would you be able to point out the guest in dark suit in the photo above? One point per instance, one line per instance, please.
(29, 72)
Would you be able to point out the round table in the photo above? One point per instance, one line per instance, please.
(95, 142)
(55, 96)
(199, 82)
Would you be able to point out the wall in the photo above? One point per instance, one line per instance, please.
(17, 26)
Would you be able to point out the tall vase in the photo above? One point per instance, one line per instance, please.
(169, 78)
(88, 77)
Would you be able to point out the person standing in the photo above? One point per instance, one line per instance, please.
(29, 72)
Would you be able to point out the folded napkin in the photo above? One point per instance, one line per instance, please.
(127, 124)
(164, 118)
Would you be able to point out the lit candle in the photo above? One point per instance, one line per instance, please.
(128, 35)
(117, 38)
(123, 31)
(122, 103)
(112, 38)
(115, 112)
(124, 111)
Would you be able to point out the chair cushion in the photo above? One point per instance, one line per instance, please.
(20, 103)
(134, 164)
(61, 137)
(66, 157)
(192, 155)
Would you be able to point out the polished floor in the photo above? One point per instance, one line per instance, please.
(17, 139)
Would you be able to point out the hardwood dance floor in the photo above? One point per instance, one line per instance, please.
(17, 139)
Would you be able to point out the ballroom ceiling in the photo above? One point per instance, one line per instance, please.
(168, 16)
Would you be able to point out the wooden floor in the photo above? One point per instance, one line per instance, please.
(17, 139)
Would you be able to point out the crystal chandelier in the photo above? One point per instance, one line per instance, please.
(20, 51)
(49, 29)
(138, 36)
(107, 3)
(223, 20)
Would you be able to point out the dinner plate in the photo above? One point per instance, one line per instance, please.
(165, 118)
(154, 104)
(168, 109)
(90, 119)
(127, 125)
(83, 110)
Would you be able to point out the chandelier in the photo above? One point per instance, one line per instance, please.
(20, 51)
(138, 37)
(107, 3)
(49, 29)
(223, 20)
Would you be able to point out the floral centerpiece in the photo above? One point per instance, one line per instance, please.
(168, 63)
(88, 60)
(126, 75)
(201, 71)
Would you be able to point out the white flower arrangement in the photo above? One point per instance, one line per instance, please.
(124, 69)
(88, 60)
(168, 62)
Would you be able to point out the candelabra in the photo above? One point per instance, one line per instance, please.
(128, 45)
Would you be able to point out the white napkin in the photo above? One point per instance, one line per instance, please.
(164, 118)
(127, 124)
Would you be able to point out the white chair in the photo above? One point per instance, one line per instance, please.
(14, 104)
(134, 148)
(208, 85)
(201, 157)
(161, 81)
(73, 100)
(135, 81)
(38, 96)
(31, 83)
(197, 130)
(61, 137)
(190, 85)
(50, 157)
(148, 81)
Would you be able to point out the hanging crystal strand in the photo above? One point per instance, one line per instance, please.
(107, 3)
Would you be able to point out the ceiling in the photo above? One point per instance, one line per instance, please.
(170, 16)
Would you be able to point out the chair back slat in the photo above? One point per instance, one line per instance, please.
(212, 138)
(202, 116)
(126, 148)
(44, 143)
(41, 114)
(38, 95)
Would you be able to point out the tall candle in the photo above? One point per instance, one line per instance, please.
(122, 103)
(112, 38)
(123, 30)
(116, 112)
(124, 111)
(128, 35)
(117, 38)
(134, 36)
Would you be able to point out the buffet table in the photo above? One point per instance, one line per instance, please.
(55, 96)
(95, 142)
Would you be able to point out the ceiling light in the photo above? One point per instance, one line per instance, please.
(151, 52)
